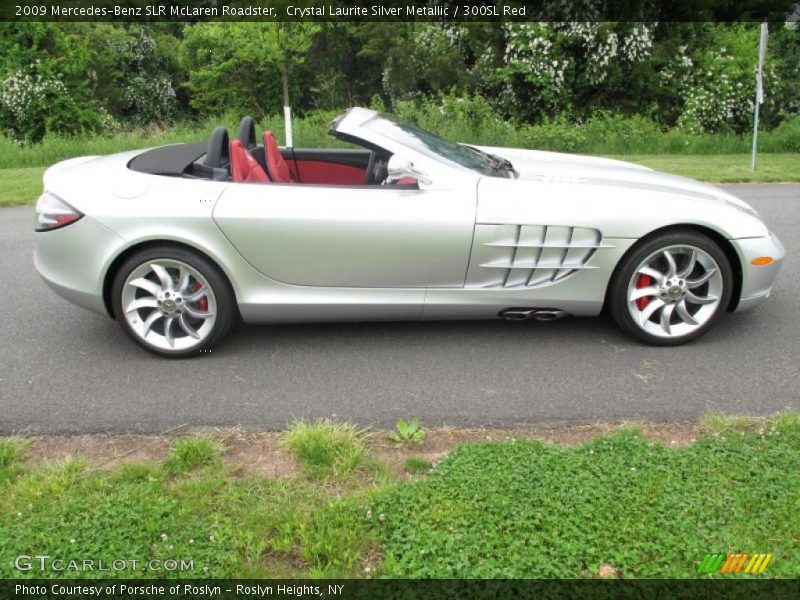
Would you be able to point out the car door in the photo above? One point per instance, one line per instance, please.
(340, 166)
(354, 236)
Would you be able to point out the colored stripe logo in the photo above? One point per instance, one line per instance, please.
(734, 562)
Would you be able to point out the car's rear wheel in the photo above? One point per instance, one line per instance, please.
(672, 288)
(173, 302)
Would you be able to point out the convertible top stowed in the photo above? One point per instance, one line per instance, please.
(168, 160)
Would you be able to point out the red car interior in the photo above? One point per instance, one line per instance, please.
(317, 171)
(244, 167)
(277, 167)
(242, 160)
(250, 163)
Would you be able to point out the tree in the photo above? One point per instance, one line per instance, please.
(233, 66)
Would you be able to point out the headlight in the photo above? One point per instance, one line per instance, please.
(52, 212)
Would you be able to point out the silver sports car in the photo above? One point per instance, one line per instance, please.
(179, 242)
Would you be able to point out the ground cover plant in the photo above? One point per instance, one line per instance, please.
(227, 525)
(619, 504)
(528, 509)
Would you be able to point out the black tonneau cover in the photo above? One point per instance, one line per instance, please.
(168, 160)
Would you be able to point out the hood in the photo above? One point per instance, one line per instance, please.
(556, 167)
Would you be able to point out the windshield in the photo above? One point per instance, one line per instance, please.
(432, 145)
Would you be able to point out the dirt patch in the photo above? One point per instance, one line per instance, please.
(254, 452)
(100, 450)
(283, 564)
(608, 572)
(673, 434)
(258, 453)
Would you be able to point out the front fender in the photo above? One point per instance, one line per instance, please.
(624, 210)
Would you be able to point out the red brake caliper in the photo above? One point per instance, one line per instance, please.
(643, 281)
(202, 304)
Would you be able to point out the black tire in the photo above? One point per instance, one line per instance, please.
(226, 309)
(617, 299)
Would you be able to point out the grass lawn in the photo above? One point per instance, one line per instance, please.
(20, 186)
(23, 185)
(724, 168)
(619, 503)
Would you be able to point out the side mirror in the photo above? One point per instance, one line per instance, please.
(399, 167)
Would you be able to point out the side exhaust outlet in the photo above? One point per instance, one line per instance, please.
(549, 315)
(517, 314)
(537, 314)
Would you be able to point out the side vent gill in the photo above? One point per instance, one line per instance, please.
(526, 256)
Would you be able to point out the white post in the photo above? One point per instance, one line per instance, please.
(762, 51)
(287, 118)
(287, 111)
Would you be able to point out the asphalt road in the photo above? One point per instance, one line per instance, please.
(65, 370)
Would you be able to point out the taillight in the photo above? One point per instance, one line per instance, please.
(52, 212)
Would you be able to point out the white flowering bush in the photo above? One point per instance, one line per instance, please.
(716, 104)
(31, 104)
(550, 66)
(783, 87)
(149, 99)
(146, 95)
(106, 123)
(133, 52)
(714, 78)
(717, 97)
(535, 68)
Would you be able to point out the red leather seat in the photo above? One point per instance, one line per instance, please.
(277, 167)
(244, 167)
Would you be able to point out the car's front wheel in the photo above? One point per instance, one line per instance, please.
(672, 288)
(172, 302)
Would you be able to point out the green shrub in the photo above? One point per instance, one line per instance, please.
(557, 135)
(325, 448)
(621, 131)
(462, 118)
(784, 138)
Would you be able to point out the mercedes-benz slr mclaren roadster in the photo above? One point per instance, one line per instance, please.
(178, 243)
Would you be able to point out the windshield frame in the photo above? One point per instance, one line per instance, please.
(374, 129)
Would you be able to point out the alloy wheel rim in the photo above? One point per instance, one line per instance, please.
(675, 291)
(169, 304)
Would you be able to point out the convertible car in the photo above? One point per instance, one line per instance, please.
(178, 243)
